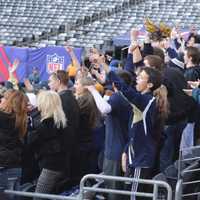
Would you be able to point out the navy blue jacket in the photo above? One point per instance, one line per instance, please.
(143, 123)
(117, 126)
(192, 73)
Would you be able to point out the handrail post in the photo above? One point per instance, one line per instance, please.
(178, 191)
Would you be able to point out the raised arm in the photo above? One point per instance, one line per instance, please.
(14, 66)
(134, 47)
(72, 55)
(131, 94)
(103, 106)
(100, 76)
(171, 52)
(11, 70)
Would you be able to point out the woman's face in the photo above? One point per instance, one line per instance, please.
(53, 83)
(78, 87)
(191, 42)
(142, 82)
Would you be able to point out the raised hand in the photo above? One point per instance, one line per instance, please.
(134, 34)
(132, 47)
(69, 49)
(147, 38)
(174, 33)
(94, 51)
(14, 65)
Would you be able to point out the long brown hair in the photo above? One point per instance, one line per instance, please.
(88, 107)
(16, 104)
(162, 101)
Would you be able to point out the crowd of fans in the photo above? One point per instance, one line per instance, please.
(98, 117)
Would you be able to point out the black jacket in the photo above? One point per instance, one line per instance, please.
(10, 144)
(30, 168)
(71, 139)
(181, 105)
(47, 143)
(71, 110)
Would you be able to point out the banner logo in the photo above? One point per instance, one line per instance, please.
(54, 63)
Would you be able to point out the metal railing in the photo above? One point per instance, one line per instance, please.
(96, 188)
(188, 185)
(40, 195)
(154, 183)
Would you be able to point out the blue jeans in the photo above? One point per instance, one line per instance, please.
(9, 179)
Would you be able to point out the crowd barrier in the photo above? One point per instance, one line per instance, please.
(96, 188)
(188, 185)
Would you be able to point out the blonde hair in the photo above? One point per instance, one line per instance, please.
(49, 104)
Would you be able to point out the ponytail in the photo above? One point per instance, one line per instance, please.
(162, 101)
(162, 111)
(159, 91)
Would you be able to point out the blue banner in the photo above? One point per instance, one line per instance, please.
(49, 59)
(46, 60)
(7, 57)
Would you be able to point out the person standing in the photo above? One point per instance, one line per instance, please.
(47, 142)
(58, 81)
(13, 127)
